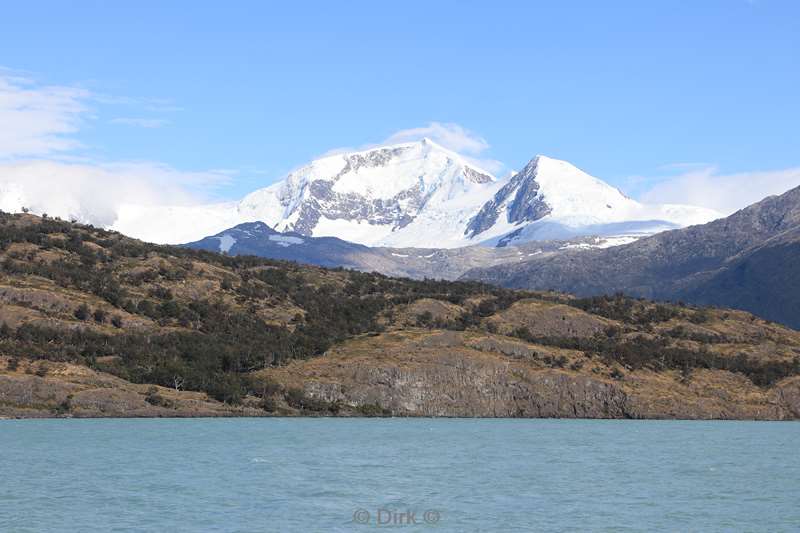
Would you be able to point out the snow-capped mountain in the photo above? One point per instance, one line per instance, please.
(419, 194)
(553, 199)
(414, 194)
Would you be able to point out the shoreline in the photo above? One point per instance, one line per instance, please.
(4, 418)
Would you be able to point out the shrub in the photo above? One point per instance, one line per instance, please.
(297, 398)
(64, 407)
(700, 316)
(269, 405)
(99, 316)
(425, 320)
(82, 312)
(154, 398)
(373, 410)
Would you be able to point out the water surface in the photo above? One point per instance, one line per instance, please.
(324, 475)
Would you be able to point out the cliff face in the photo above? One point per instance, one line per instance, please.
(467, 375)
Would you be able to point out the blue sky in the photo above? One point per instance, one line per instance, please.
(636, 93)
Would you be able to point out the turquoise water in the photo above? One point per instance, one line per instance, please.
(325, 475)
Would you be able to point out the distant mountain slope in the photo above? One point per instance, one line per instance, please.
(258, 239)
(764, 279)
(747, 260)
(421, 195)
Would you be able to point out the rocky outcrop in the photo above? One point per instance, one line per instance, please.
(522, 197)
(42, 389)
(787, 397)
(460, 374)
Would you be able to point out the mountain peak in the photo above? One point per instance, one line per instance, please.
(254, 227)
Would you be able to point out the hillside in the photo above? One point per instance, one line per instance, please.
(747, 260)
(93, 323)
(258, 239)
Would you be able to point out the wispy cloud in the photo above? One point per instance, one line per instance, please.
(452, 136)
(707, 187)
(449, 135)
(140, 122)
(94, 192)
(37, 120)
(155, 105)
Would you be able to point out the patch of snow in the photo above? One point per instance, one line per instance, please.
(285, 240)
(226, 242)
(599, 242)
(617, 241)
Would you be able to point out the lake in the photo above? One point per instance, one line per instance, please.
(326, 475)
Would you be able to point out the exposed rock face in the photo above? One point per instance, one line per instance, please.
(787, 397)
(523, 200)
(478, 391)
(470, 375)
(440, 375)
(528, 204)
(323, 201)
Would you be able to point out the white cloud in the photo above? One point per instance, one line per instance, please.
(41, 170)
(452, 136)
(726, 193)
(140, 122)
(37, 120)
(94, 193)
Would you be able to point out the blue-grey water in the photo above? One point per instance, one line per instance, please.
(309, 475)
